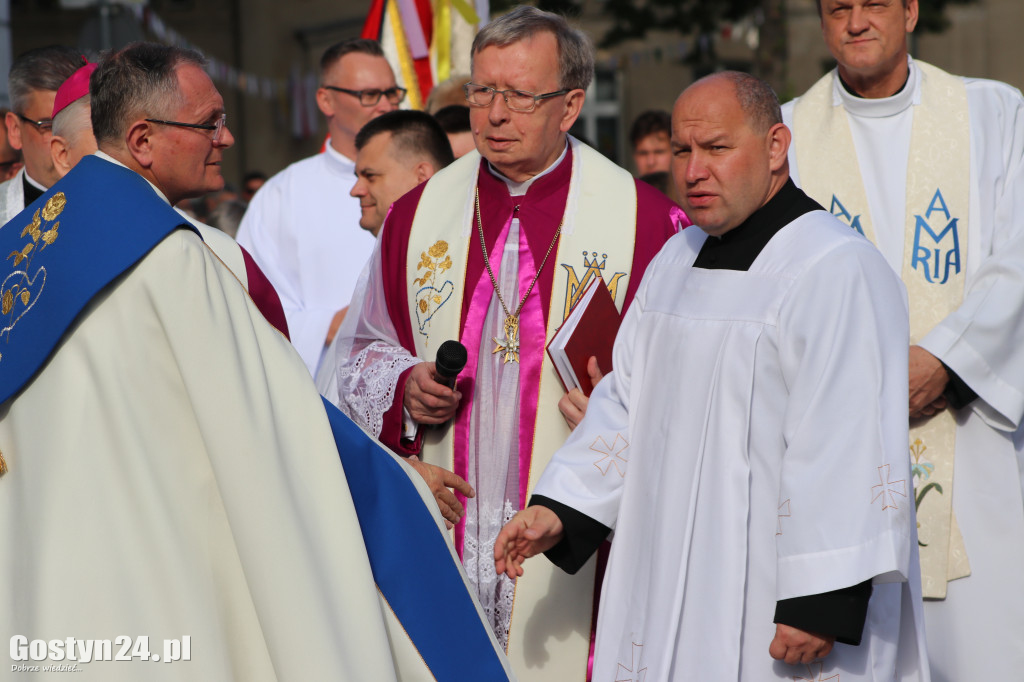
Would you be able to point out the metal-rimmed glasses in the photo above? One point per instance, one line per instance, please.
(43, 125)
(516, 100)
(369, 98)
(217, 126)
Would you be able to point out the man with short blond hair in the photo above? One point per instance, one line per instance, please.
(930, 167)
(301, 227)
(493, 251)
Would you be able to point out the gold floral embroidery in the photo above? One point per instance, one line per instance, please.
(54, 206)
(19, 291)
(434, 262)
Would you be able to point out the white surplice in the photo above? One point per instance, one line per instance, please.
(977, 632)
(749, 447)
(302, 229)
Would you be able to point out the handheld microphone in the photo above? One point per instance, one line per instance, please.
(451, 359)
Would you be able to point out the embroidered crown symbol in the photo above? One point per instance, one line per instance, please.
(593, 263)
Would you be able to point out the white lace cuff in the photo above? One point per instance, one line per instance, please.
(367, 382)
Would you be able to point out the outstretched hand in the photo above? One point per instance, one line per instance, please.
(442, 484)
(531, 531)
(573, 404)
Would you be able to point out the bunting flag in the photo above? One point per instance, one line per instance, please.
(425, 41)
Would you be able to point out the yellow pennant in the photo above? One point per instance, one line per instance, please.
(412, 83)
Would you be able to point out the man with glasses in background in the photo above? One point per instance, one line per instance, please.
(493, 251)
(33, 81)
(302, 227)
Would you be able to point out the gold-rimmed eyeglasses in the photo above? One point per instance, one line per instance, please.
(516, 100)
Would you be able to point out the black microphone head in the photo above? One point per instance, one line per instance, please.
(451, 359)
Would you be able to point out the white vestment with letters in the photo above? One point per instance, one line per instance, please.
(977, 632)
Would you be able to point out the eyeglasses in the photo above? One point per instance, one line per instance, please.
(516, 100)
(369, 98)
(217, 126)
(43, 125)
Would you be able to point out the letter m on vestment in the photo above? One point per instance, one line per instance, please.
(929, 256)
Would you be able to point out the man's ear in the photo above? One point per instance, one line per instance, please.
(59, 154)
(323, 102)
(424, 171)
(13, 130)
(779, 139)
(911, 12)
(139, 142)
(573, 107)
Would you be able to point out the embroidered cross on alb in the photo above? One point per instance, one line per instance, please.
(887, 489)
(611, 455)
(816, 677)
(634, 673)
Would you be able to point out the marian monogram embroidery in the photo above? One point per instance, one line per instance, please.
(434, 262)
(611, 455)
(20, 290)
(575, 286)
(936, 250)
(632, 673)
(888, 489)
(839, 211)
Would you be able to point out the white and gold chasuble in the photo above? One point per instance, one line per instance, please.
(934, 264)
(548, 638)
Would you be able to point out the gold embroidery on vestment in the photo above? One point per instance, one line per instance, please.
(434, 261)
(592, 267)
(18, 286)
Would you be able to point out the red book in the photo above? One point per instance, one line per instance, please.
(589, 330)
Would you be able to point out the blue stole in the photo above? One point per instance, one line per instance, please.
(62, 250)
(72, 242)
(411, 562)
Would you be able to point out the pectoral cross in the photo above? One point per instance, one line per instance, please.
(509, 344)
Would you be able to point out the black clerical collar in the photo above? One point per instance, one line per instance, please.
(31, 191)
(846, 86)
(739, 247)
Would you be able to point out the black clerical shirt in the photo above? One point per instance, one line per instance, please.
(31, 191)
(840, 613)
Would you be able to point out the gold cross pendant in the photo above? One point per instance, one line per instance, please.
(510, 344)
